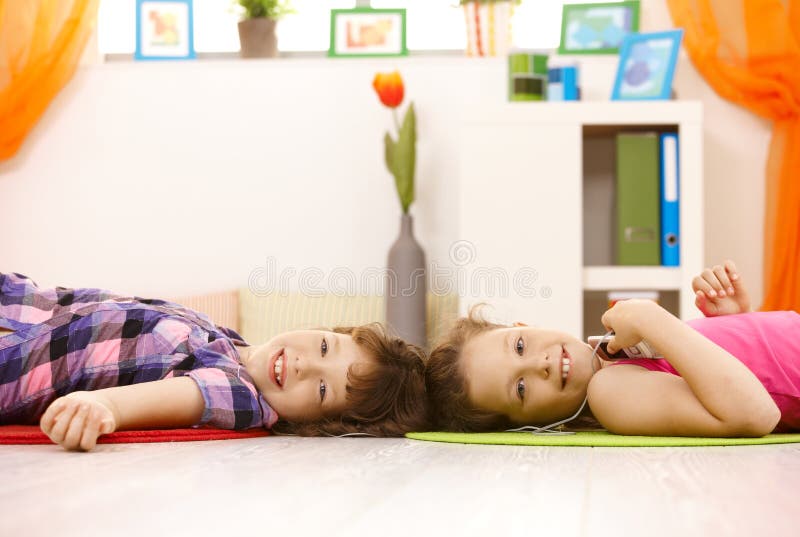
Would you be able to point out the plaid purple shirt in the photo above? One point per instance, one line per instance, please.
(67, 340)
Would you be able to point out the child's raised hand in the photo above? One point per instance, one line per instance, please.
(625, 319)
(76, 420)
(719, 290)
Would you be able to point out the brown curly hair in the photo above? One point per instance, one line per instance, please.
(385, 400)
(446, 384)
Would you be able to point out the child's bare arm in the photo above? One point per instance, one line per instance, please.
(76, 420)
(733, 397)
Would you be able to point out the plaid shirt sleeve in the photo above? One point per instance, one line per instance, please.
(231, 398)
(24, 304)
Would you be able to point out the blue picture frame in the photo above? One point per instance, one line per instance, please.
(146, 50)
(647, 66)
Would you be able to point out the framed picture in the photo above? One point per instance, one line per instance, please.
(164, 30)
(368, 32)
(597, 28)
(647, 66)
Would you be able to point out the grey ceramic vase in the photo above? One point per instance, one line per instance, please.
(406, 285)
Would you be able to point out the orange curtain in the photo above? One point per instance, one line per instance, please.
(41, 42)
(749, 52)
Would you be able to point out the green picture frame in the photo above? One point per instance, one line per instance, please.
(599, 35)
(367, 33)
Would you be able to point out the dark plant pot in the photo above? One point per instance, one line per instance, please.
(406, 286)
(257, 38)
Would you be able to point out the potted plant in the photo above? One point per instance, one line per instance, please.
(488, 26)
(257, 27)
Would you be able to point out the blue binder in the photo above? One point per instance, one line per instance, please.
(670, 212)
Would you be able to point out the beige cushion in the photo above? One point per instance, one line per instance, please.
(262, 317)
(222, 308)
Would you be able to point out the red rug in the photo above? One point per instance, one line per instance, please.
(32, 434)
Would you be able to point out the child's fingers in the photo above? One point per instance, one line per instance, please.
(62, 422)
(49, 416)
(73, 437)
(107, 427)
(710, 278)
(611, 347)
(735, 277)
(733, 272)
(700, 284)
(708, 308)
(91, 431)
(725, 282)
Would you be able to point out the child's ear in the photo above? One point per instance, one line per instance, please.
(520, 324)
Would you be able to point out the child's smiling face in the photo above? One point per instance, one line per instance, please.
(517, 372)
(303, 374)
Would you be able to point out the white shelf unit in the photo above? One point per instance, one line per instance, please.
(521, 206)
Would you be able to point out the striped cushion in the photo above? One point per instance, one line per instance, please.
(222, 308)
(442, 311)
(262, 317)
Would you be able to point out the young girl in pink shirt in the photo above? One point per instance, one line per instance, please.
(735, 372)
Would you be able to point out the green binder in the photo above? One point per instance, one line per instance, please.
(637, 197)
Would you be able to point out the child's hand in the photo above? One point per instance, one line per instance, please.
(720, 291)
(625, 319)
(76, 420)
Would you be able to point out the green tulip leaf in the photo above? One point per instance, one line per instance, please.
(404, 159)
(390, 144)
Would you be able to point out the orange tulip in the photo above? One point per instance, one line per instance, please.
(389, 87)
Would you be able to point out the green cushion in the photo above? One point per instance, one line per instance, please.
(597, 438)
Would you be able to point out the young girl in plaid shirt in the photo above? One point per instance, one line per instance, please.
(86, 362)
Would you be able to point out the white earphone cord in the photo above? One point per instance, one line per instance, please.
(547, 428)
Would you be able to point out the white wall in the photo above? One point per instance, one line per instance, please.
(165, 178)
(175, 178)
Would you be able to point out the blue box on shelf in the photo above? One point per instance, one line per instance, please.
(562, 84)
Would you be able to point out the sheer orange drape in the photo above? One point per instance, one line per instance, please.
(749, 52)
(41, 42)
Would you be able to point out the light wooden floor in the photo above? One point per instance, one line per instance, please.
(355, 486)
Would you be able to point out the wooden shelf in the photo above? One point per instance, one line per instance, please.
(631, 278)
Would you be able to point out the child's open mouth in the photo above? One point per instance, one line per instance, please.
(277, 371)
(566, 361)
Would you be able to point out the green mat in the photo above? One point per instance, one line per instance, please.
(598, 438)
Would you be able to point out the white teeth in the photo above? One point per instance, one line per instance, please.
(564, 367)
(278, 369)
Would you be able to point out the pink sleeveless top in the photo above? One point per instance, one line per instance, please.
(768, 343)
